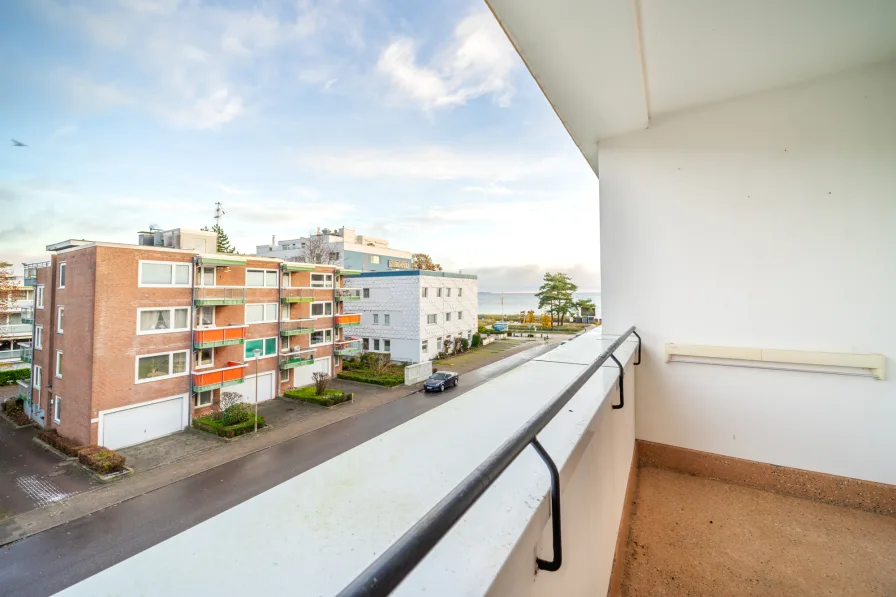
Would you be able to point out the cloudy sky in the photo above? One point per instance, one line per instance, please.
(415, 121)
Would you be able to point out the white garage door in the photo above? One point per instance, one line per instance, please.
(303, 374)
(265, 387)
(143, 422)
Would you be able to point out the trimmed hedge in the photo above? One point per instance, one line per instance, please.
(101, 460)
(215, 425)
(10, 376)
(366, 376)
(67, 446)
(329, 398)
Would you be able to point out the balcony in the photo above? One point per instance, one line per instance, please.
(28, 315)
(296, 295)
(348, 294)
(15, 330)
(292, 266)
(348, 320)
(230, 375)
(221, 259)
(297, 358)
(296, 328)
(214, 337)
(348, 348)
(30, 277)
(27, 353)
(218, 295)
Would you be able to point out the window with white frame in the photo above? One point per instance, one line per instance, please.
(60, 318)
(321, 337)
(205, 316)
(261, 312)
(57, 409)
(460, 314)
(59, 364)
(266, 346)
(448, 292)
(202, 398)
(432, 319)
(460, 292)
(38, 337)
(387, 345)
(439, 343)
(153, 367)
(425, 292)
(376, 343)
(387, 319)
(321, 280)
(206, 275)
(62, 269)
(39, 297)
(37, 375)
(204, 357)
(447, 317)
(285, 280)
(284, 375)
(163, 319)
(374, 259)
(321, 309)
(376, 319)
(366, 293)
(164, 273)
(438, 293)
(424, 346)
(261, 278)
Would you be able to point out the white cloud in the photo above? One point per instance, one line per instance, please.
(478, 61)
(65, 131)
(491, 189)
(231, 190)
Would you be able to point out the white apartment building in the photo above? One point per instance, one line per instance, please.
(350, 250)
(410, 314)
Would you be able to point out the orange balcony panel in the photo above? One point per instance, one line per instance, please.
(213, 337)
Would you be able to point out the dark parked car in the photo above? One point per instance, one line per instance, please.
(437, 382)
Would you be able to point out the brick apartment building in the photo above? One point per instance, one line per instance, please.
(132, 341)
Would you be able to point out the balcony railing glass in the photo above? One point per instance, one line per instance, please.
(348, 294)
(230, 375)
(213, 337)
(218, 295)
(348, 348)
(15, 329)
(296, 295)
(298, 358)
(28, 315)
(296, 328)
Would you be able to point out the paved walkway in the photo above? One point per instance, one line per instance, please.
(35, 521)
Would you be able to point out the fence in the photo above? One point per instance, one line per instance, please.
(416, 373)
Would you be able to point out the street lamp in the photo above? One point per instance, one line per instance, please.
(256, 352)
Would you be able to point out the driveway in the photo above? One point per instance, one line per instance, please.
(169, 449)
(31, 477)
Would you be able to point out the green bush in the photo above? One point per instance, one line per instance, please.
(102, 460)
(67, 446)
(477, 341)
(389, 379)
(329, 398)
(236, 413)
(464, 344)
(216, 426)
(10, 376)
(484, 330)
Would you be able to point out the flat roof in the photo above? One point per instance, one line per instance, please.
(417, 272)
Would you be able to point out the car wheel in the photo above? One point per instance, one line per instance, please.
(455, 382)
(442, 388)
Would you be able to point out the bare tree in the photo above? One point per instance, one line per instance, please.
(9, 293)
(316, 249)
(321, 381)
(381, 363)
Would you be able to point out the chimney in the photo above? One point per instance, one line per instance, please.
(273, 240)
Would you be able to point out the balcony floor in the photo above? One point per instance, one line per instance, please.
(697, 536)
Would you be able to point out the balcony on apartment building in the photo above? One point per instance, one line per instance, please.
(346, 320)
(296, 357)
(230, 375)
(26, 352)
(213, 337)
(296, 295)
(348, 294)
(296, 327)
(27, 312)
(15, 330)
(293, 266)
(348, 348)
(218, 295)
(30, 272)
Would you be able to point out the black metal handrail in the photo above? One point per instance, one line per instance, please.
(394, 564)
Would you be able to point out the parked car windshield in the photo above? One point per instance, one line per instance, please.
(439, 376)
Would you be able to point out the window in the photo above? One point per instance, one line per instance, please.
(205, 275)
(432, 319)
(387, 319)
(205, 316)
(469, 336)
(387, 345)
(286, 280)
(321, 309)
(261, 312)
(57, 409)
(37, 372)
(161, 366)
(439, 343)
(267, 346)
(321, 337)
(168, 319)
(38, 337)
(261, 278)
(448, 292)
(60, 316)
(376, 343)
(59, 364)
(284, 375)
(460, 292)
(460, 315)
(162, 273)
(447, 317)
(205, 357)
(203, 398)
(366, 293)
(39, 297)
(425, 292)
(365, 344)
(374, 259)
(424, 346)
(62, 275)
(321, 280)
(376, 319)
(438, 293)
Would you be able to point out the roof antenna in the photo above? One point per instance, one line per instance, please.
(219, 211)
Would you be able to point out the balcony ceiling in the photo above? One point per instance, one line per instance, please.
(609, 66)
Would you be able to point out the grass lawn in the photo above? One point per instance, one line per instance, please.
(329, 398)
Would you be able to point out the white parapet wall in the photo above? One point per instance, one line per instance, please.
(417, 373)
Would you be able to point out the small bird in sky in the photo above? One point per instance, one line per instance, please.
(17, 143)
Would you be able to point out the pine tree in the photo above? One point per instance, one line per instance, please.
(223, 241)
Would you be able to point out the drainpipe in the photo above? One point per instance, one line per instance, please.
(335, 329)
(280, 275)
(192, 334)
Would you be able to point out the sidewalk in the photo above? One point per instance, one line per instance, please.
(82, 504)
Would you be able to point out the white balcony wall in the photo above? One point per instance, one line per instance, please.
(765, 222)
